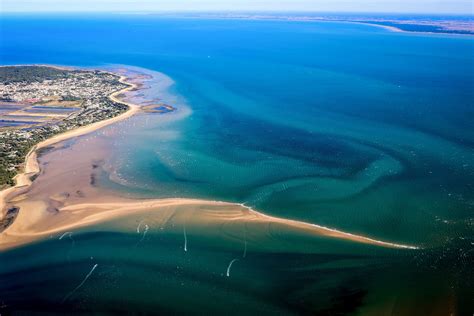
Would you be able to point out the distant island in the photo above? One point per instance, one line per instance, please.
(37, 102)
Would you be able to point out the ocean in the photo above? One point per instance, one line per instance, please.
(344, 125)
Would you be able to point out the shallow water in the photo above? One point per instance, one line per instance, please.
(348, 126)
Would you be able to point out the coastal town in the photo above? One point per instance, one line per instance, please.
(37, 102)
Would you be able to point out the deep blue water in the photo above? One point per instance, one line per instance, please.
(345, 125)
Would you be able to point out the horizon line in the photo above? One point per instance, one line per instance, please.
(471, 14)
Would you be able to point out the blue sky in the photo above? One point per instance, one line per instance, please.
(396, 6)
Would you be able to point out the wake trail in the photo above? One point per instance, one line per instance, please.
(73, 243)
(65, 234)
(80, 284)
(139, 225)
(230, 266)
(143, 236)
(185, 239)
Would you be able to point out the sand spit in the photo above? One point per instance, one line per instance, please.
(34, 222)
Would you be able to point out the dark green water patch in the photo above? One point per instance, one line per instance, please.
(110, 273)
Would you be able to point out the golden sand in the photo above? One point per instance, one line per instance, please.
(35, 222)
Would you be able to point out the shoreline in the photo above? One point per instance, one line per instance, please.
(386, 27)
(31, 167)
(399, 30)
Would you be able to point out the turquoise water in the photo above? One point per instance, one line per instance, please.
(348, 126)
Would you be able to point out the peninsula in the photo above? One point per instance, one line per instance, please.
(38, 102)
(88, 97)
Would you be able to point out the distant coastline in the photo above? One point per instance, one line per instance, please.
(414, 28)
(448, 26)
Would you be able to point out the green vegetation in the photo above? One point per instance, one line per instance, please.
(7, 159)
(10, 74)
(70, 98)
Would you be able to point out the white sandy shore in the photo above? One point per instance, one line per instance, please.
(387, 27)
